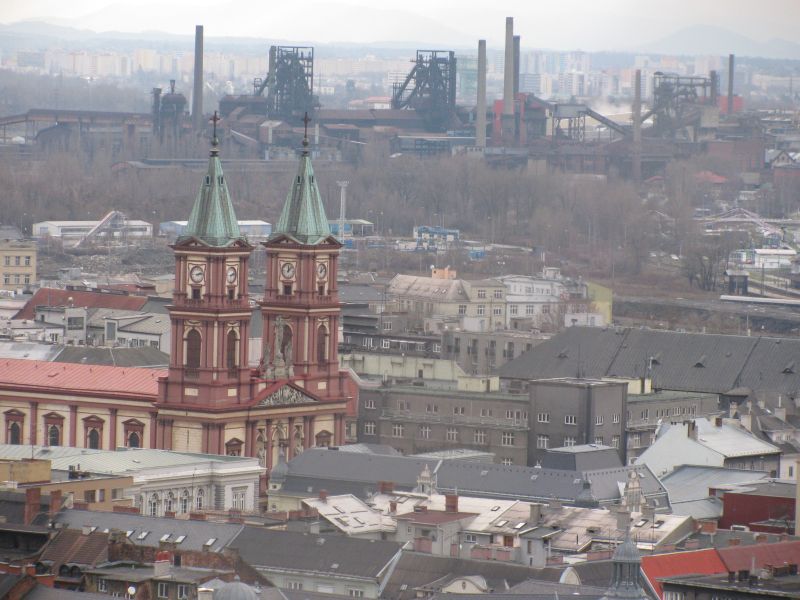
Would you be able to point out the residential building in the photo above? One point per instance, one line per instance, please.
(361, 474)
(17, 264)
(767, 506)
(484, 352)
(713, 443)
(576, 412)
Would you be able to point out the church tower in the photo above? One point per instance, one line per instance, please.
(301, 304)
(210, 312)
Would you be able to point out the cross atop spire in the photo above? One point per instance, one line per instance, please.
(306, 121)
(214, 140)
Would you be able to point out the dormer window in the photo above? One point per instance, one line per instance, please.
(220, 180)
(208, 179)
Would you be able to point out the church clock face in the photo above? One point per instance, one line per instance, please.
(196, 274)
(231, 275)
(322, 270)
(287, 270)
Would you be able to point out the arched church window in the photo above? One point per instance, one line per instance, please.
(93, 439)
(14, 434)
(286, 345)
(169, 502)
(54, 435)
(322, 344)
(185, 501)
(201, 499)
(193, 347)
(231, 348)
(134, 441)
(152, 505)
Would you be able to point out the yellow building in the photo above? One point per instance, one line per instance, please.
(17, 264)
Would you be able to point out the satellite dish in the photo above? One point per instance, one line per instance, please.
(131, 590)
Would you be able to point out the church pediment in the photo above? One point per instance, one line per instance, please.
(287, 394)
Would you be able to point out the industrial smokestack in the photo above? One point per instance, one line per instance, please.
(516, 65)
(730, 83)
(508, 70)
(714, 87)
(480, 108)
(197, 94)
(636, 167)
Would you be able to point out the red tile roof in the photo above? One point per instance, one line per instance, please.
(58, 297)
(699, 562)
(739, 558)
(39, 375)
(709, 177)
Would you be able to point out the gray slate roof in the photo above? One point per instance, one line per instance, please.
(586, 457)
(358, 474)
(333, 554)
(695, 362)
(197, 532)
(119, 357)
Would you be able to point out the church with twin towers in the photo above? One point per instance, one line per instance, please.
(210, 400)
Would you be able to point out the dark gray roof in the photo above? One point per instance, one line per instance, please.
(690, 482)
(119, 357)
(358, 474)
(197, 532)
(43, 592)
(676, 361)
(593, 457)
(333, 554)
(415, 570)
(7, 583)
(12, 506)
(359, 293)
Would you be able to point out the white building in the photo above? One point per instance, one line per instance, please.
(76, 230)
(163, 480)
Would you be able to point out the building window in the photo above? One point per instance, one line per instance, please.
(569, 441)
(636, 440)
(369, 427)
(462, 309)
(569, 420)
(403, 405)
(27, 261)
(200, 500)
(437, 348)
(479, 436)
(481, 293)
(645, 414)
(231, 348)
(543, 417)
(183, 591)
(542, 441)
(452, 434)
(498, 294)
(54, 435)
(507, 439)
(598, 420)
(386, 344)
(459, 410)
(134, 433)
(239, 496)
(481, 310)
(152, 506)
(598, 440)
(354, 593)
(93, 439)
(295, 585)
(615, 418)
(397, 430)
(163, 589)
(102, 585)
(470, 538)
(369, 403)
(507, 462)
(425, 432)
(233, 447)
(322, 344)
(14, 434)
(512, 310)
(529, 309)
(27, 278)
(387, 325)
(193, 347)
(432, 408)
(16, 261)
(497, 311)
(486, 412)
(184, 505)
(615, 441)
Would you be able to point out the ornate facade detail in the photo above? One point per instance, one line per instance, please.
(286, 395)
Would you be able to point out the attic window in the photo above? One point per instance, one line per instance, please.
(701, 363)
(789, 369)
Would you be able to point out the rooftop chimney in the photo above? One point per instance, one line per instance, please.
(535, 513)
(451, 503)
(480, 108)
(55, 502)
(205, 594)
(730, 83)
(33, 497)
(197, 94)
(323, 495)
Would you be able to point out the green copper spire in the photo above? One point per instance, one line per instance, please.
(213, 220)
(303, 216)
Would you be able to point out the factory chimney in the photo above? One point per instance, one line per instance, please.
(197, 94)
(508, 84)
(714, 88)
(480, 108)
(516, 65)
(636, 167)
(730, 83)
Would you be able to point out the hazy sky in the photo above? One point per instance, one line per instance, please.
(586, 24)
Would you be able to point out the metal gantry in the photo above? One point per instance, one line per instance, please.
(430, 88)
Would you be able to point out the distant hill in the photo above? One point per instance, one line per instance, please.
(712, 40)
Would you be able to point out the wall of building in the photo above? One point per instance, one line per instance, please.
(17, 264)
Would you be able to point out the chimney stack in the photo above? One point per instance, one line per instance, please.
(516, 65)
(507, 123)
(730, 83)
(714, 87)
(451, 503)
(636, 171)
(33, 497)
(323, 495)
(55, 502)
(535, 513)
(480, 108)
(197, 94)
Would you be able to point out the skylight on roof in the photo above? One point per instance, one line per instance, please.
(210, 541)
(142, 535)
(519, 525)
(165, 537)
(129, 533)
(179, 539)
(502, 523)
